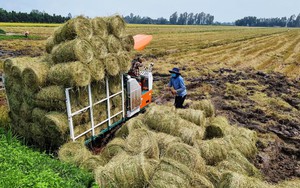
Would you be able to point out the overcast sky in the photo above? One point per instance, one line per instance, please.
(223, 10)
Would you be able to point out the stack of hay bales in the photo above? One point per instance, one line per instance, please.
(80, 52)
(155, 145)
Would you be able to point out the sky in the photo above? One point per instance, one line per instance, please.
(223, 10)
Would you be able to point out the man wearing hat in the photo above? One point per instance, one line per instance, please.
(177, 87)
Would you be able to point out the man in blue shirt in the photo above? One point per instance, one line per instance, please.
(177, 87)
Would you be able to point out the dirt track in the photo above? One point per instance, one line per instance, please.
(278, 128)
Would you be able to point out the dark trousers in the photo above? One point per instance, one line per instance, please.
(179, 100)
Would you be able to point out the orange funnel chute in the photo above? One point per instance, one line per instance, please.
(141, 41)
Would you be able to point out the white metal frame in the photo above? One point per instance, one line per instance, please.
(90, 108)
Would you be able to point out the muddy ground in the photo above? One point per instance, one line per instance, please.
(266, 103)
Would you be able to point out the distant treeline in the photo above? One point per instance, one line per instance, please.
(175, 19)
(34, 16)
(292, 21)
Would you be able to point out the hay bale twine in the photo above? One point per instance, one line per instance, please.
(236, 162)
(112, 65)
(93, 162)
(51, 97)
(79, 27)
(124, 62)
(127, 43)
(206, 106)
(100, 47)
(100, 27)
(97, 69)
(113, 148)
(194, 116)
(130, 126)
(234, 180)
(116, 25)
(70, 74)
(164, 140)
(74, 50)
(113, 44)
(74, 153)
(50, 43)
(143, 141)
(186, 155)
(114, 84)
(215, 150)
(34, 77)
(126, 171)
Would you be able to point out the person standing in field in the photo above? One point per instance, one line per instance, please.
(177, 87)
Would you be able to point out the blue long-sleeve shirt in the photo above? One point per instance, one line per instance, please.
(178, 84)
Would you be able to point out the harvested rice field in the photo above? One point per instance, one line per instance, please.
(241, 127)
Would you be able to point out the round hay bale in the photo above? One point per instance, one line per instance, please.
(218, 127)
(70, 74)
(26, 111)
(126, 171)
(50, 43)
(186, 155)
(20, 64)
(51, 97)
(8, 63)
(113, 148)
(236, 162)
(74, 153)
(114, 83)
(113, 44)
(206, 106)
(98, 90)
(194, 116)
(97, 69)
(164, 119)
(37, 115)
(79, 27)
(233, 180)
(213, 175)
(34, 77)
(100, 47)
(112, 65)
(116, 25)
(100, 27)
(93, 162)
(164, 140)
(74, 50)
(245, 142)
(14, 101)
(127, 43)
(143, 141)
(215, 150)
(130, 126)
(124, 62)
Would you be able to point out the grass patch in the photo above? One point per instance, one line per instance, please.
(12, 37)
(22, 167)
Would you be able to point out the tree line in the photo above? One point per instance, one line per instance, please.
(34, 16)
(292, 21)
(175, 19)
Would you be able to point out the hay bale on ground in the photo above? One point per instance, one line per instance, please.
(163, 119)
(186, 155)
(93, 162)
(173, 174)
(79, 27)
(235, 180)
(112, 65)
(50, 43)
(164, 140)
(143, 141)
(70, 74)
(116, 25)
(127, 42)
(204, 105)
(34, 77)
(75, 50)
(124, 62)
(130, 126)
(113, 44)
(51, 97)
(74, 152)
(113, 148)
(97, 69)
(213, 174)
(236, 162)
(246, 142)
(126, 171)
(218, 127)
(194, 116)
(100, 27)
